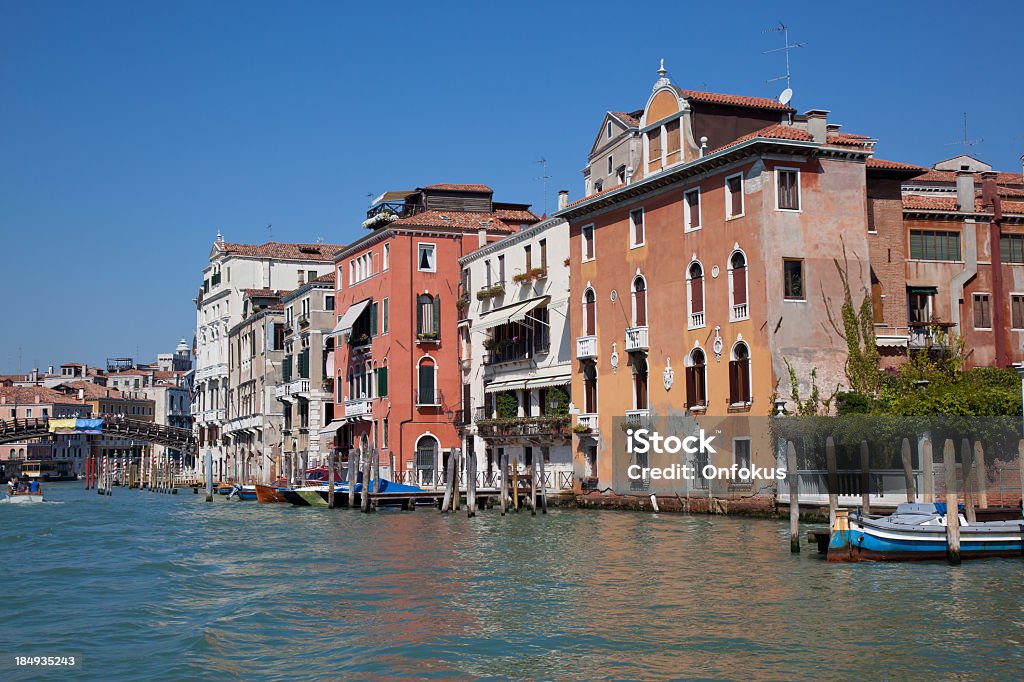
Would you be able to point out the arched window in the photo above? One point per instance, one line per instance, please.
(640, 383)
(738, 287)
(589, 388)
(428, 315)
(695, 294)
(427, 449)
(739, 374)
(697, 380)
(589, 313)
(639, 302)
(427, 390)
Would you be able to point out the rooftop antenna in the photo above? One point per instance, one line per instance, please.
(966, 143)
(270, 232)
(786, 47)
(545, 178)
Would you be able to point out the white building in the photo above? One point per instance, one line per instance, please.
(232, 268)
(516, 358)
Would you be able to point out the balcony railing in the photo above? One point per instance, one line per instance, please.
(298, 386)
(358, 408)
(926, 335)
(586, 347)
(586, 421)
(740, 312)
(637, 416)
(549, 426)
(636, 339)
(388, 211)
(697, 320)
(508, 352)
(281, 390)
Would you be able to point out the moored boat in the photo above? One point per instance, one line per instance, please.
(268, 494)
(917, 531)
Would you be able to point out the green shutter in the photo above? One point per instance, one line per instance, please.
(385, 322)
(437, 316)
(373, 319)
(382, 382)
(419, 316)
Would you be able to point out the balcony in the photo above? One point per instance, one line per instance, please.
(358, 408)
(636, 339)
(586, 347)
(280, 391)
(635, 417)
(298, 386)
(507, 351)
(586, 423)
(543, 427)
(697, 320)
(929, 335)
(739, 312)
(303, 320)
(386, 212)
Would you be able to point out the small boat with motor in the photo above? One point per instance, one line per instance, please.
(19, 492)
(917, 531)
(269, 494)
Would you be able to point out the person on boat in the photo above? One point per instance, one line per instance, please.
(11, 486)
(33, 487)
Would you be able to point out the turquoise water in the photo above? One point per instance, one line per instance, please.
(144, 586)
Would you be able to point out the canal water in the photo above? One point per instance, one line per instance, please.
(142, 586)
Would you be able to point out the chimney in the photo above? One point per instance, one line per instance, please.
(302, 277)
(817, 125)
(81, 394)
(563, 199)
(965, 189)
(49, 369)
(34, 376)
(990, 194)
(481, 237)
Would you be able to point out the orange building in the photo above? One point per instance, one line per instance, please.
(398, 380)
(712, 268)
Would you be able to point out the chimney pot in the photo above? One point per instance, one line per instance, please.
(964, 189)
(563, 199)
(817, 125)
(481, 237)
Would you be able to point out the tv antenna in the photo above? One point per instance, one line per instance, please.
(270, 232)
(786, 47)
(966, 143)
(545, 178)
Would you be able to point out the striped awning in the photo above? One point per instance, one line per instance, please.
(501, 386)
(548, 382)
(509, 313)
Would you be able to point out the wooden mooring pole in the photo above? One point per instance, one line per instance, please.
(952, 514)
(504, 480)
(967, 469)
(330, 480)
(471, 484)
(927, 468)
(794, 500)
(980, 476)
(448, 483)
(908, 470)
(533, 486)
(543, 488)
(352, 455)
(833, 480)
(364, 502)
(865, 477)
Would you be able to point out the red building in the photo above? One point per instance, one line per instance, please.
(397, 346)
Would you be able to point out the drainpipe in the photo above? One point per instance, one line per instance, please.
(991, 202)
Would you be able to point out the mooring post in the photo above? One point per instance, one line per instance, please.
(504, 480)
(543, 488)
(456, 490)
(865, 477)
(449, 477)
(376, 469)
(967, 469)
(330, 480)
(533, 486)
(952, 513)
(794, 500)
(471, 484)
(352, 455)
(365, 501)
(927, 468)
(1020, 468)
(515, 484)
(110, 477)
(208, 473)
(908, 470)
(833, 480)
(980, 476)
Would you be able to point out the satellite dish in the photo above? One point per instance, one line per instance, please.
(786, 95)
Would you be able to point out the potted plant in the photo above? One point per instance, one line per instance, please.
(427, 336)
(496, 290)
(580, 428)
(462, 303)
(483, 294)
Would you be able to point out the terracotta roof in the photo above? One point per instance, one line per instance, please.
(631, 119)
(591, 196)
(265, 293)
(884, 164)
(462, 219)
(779, 131)
(91, 390)
(329, 278)
(1014, 207)
(28, 394)
(949, 177)
(515, 216)
(460, 188)
(734, 100)
(314, 252)
(133, 372)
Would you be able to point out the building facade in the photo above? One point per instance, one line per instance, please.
(232, 269)
(517, 353)
(398, 378)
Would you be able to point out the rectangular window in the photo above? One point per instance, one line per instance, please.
(741, 456)
(487, 271)
(734, 196)
(374, 318)
(528, 253)
(654, 145)
(384, 434)
(311, 275)
(691, 209)
(934, 245)
(636, 227)
(608, 130)
(426, 393)
(793, 275)
(427, 258)
(386, 259)
(382, 382)
(788, 196)
(609, 165)
(982, 311)
(1017, 311)
(384, 321)
(588, 242)
(919, 305)
(328, 302)
(544, 255)
(1011, 248)
(501, 269)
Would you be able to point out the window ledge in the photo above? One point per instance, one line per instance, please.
(734, 217)
(637, 246)
(794, 300)
(789, 210)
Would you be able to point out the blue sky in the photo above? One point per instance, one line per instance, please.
(130, 133)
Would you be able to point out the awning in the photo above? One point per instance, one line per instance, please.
(548, 382)
(349, 318)
(500, 386)
(399, 195)
(923, 290)
(331, 428)
(509, 313)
